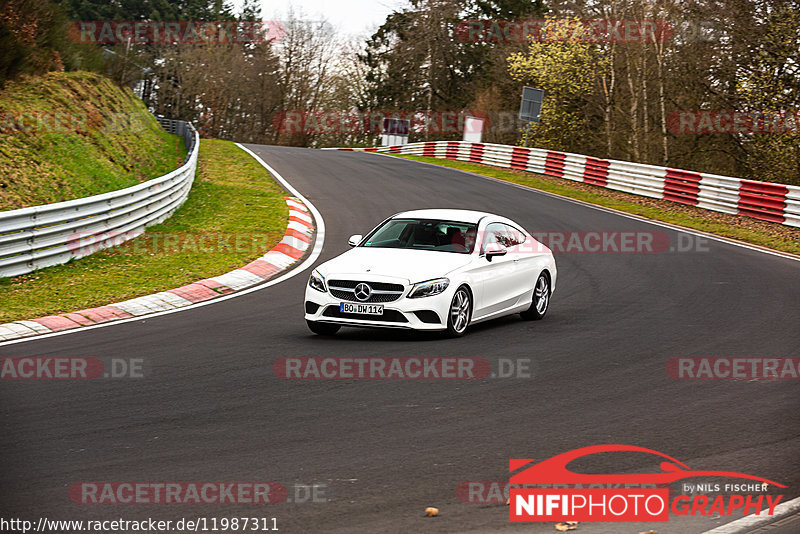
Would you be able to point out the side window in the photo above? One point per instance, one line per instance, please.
(494, 234)
(517, 236)
(506, 235)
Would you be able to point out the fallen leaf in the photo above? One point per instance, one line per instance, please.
(431, 511)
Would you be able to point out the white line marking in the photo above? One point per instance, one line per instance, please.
(752, 521)
(308, 262)
(697, 233)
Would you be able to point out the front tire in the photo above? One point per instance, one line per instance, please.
(540, 301)
(323, 329)
(460, 312)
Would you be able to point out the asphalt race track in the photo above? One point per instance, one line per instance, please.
(210, 409)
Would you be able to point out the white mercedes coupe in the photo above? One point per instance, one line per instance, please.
(434, 269)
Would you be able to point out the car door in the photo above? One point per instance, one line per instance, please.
(528, 256)
(498, 277)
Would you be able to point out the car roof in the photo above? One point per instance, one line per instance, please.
(467, 216)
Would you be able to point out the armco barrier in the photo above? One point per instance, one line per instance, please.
(182, 128)
(41, 236)
(296, 241)
(761, 200)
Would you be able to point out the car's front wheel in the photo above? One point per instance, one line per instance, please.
(540, 301)
(460, 312)
(323, 329)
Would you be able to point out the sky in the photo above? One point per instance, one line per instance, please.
(357, 18)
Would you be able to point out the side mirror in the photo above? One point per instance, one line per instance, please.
(355, 239)
(494, 249)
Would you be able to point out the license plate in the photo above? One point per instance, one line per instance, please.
(367, 309)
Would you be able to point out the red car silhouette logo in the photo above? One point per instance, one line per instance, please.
(554, 470)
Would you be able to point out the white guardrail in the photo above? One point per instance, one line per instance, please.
(761, 200)
(51, 234)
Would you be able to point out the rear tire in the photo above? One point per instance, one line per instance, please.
(460, 312)
(540, 301)
(323, 329)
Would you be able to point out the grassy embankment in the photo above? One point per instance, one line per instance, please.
(72, 135)
(234, 213)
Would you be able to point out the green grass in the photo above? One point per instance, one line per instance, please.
(72, 135)
(770, 235)
(235, 212)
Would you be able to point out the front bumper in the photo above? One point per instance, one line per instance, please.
(426, 313)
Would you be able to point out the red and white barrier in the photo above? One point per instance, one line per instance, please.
(292, 247)
(761, 200)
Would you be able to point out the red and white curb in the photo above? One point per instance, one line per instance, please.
(295, 243)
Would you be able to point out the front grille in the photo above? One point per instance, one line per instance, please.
(374, 297)
(389, 316)
(381, 291)
(351, 284)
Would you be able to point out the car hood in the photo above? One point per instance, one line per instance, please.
(410, 265)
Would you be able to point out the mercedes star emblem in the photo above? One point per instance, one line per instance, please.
(363, 291)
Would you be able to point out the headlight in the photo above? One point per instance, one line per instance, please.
(429, 288)
(316, 281)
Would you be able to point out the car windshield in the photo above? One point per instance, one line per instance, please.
(424, 234)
